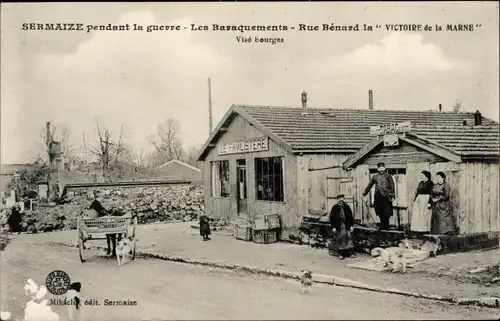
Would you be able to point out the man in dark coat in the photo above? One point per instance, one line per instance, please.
(15, 219)
(384, 195)
(97, 206)
(101, 211)
(205, 227)
(342, 225)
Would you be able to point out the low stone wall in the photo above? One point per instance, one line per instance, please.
(318, 236)
(152, 204)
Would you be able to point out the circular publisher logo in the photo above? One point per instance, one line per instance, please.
(57, 282)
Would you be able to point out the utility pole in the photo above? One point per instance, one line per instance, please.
(48, 142)
(209, 108)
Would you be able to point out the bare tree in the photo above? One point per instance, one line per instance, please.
(166, 142)
(457, 106)
(191, 156)
(139, 157)
(59, 134)
(108, 150)
(122, 151)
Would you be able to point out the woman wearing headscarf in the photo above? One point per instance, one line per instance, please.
(342, 225)
(205, 227)
(15, 219)
(421, 210)
(443, 220)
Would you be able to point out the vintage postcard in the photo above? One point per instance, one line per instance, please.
(250, 161)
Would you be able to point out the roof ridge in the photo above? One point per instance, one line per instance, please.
(356, 109)
(347, 129)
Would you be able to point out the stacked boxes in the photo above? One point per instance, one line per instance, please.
(266, 229)
(265, 236)
(243, 231)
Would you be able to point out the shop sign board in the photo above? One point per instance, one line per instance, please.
(246, 146)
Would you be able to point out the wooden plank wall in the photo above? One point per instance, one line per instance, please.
(240, 130)
(402, 154)
(302, 185)
(478, 205)
(362, 178)
(317, 180)
(413, 172)
(405, 155)
(474, 194)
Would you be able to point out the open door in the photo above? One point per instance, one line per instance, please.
(241, 177)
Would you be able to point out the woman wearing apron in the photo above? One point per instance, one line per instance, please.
(421, 210)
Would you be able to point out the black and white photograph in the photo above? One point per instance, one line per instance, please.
(226, 160)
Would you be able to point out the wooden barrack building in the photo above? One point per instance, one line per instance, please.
(294, 161)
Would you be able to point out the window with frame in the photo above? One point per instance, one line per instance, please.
(220, 178)
(269, 179)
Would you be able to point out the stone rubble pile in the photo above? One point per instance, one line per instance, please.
(45, 220)
(4, 239)
(153, 204)
(308, 237)
(150, 204)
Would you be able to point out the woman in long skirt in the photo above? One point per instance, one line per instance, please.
(421, 210)
(342, 225)
(443, 220)
(205, 227)
(15, 219)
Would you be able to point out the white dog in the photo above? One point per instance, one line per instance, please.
(306, 281)
(392, 256)
(123, 250)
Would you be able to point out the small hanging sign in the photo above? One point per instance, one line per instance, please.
(391, 140)
(446, 167)
(394, 128)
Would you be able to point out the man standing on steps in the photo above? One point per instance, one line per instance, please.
(384, 195)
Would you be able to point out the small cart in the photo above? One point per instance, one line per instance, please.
(96, 229)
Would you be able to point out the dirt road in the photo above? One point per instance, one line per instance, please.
(180, 239)
(166, 290)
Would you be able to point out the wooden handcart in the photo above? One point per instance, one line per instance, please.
(90, 229)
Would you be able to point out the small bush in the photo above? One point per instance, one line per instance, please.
(4, 239)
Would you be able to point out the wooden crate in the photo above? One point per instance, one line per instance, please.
(267, 222)
(243, 232)
(265, 236)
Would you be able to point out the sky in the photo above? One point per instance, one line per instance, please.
(139, 79)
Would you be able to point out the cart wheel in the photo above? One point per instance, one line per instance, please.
(81, 242)
(81, 247)
(134, 240)
(133, 249)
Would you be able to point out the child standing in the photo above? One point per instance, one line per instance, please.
(205, 227)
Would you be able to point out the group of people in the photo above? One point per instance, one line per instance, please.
(431, 210)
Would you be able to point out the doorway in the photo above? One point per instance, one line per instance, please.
(401, 218)
(340, 185)
(241, 177)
